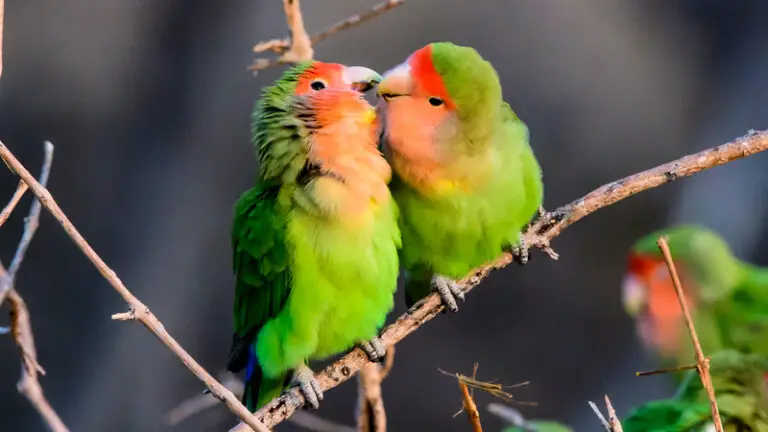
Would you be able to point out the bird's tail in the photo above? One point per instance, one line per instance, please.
(260, 389)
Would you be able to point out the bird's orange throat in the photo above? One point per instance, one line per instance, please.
(358, 174)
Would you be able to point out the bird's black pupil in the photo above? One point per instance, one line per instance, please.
(434, 101)
(317, 85)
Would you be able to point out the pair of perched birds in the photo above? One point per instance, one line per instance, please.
(319, 240)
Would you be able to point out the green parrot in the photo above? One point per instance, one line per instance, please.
(740, 392)
(315, 241)
(728, 298)
(465, 179)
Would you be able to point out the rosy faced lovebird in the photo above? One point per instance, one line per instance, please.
(315, 242)
(728, 298)
(465, 179)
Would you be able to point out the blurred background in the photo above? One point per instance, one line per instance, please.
(149, 102)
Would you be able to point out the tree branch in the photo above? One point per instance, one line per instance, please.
(702, 363)
(539, 234)
(138, 310)
(299, 46)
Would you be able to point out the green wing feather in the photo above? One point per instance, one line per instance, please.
(261, 264)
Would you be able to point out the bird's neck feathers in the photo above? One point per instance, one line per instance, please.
(348, 176)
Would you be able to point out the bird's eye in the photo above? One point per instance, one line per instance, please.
(317, 85)
(435, 101)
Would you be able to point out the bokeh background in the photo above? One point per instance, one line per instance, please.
(148, 104)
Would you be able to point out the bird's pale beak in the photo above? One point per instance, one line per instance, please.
(361, 78)
(633, 293)
(396, 82)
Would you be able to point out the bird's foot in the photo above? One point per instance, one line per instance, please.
(374, 349)
(449, 291)
(305, 380)
(520, 252)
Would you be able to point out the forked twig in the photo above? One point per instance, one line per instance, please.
(702, 362)
(299, 47)
(371, 415)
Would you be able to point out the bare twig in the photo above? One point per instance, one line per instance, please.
(613, 419)
(468, 403)
(28, 384)
(371, 415)
(21, 325)
(665, 371)
(13, 202)
(539, 234)
(30, 226)
(299, 46)
(600, 416)
(138, 310)
(702, 363)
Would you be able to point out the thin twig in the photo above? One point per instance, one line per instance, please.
(371, 415)
(21, 325)
(539, 234)
(468, 404)
(138, 310)
(30, 225)
(600, 416)
(299, 46)
(702, 363)
(666, 371)
(29, 384)
(13, 202)
(613, 419)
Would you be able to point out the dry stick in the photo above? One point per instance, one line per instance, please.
(613, 419)
(665, 371)
(21, 326)
(473, 415)
(13, 202)
(548, 226)
(370, 403)
(28, 384)
(30, 225)
(138, 310)
(294, 49)
(702, 363)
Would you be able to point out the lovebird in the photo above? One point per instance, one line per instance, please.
(315, 241)
(728, 298)
(465, 178)
(740, 392)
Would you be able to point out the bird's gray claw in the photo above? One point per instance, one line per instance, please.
(520, 252)
(374, 349)
(449, 291)
(305, 380)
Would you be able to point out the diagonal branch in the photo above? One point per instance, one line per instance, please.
(138, 310)
(539, 234)
(299, 46)
(702, 363)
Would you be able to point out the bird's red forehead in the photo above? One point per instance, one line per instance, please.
(331, 73)
(642, 264)
(426, 80)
